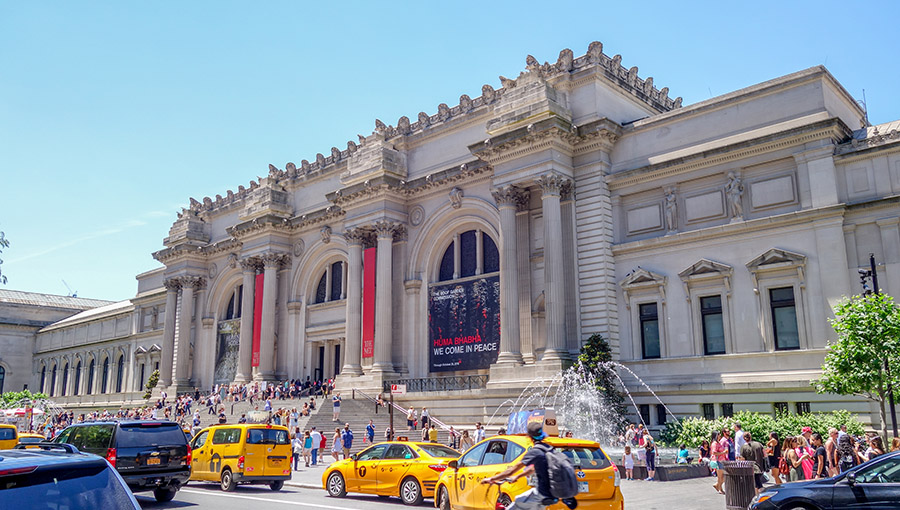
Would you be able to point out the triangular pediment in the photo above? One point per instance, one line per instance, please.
(155, 348)
(706, 267)
(140, 350)
(777, 256)
(641, 277)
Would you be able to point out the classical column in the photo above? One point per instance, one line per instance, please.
(168, 347)
(384, 298)
(198, 366)
(353, 289)
(271, 263)
(508, 199)
(183, 364)
(554, 278)
(245, 348)
(413, 346)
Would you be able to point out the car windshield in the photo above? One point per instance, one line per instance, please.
(150, 434)
(65, 489)
(7, 434)
(267, 436)
(586, 457)
(436, 450)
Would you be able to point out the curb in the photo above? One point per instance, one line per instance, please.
(303, 485)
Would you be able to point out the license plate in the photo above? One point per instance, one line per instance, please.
(582, 487)
(153, 461)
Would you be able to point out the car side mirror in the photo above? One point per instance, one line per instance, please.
(851, 479)
(452, 464)
(353, 457)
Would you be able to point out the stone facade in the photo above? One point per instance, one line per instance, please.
(707, 243)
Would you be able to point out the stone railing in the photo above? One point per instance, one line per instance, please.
(451, 383)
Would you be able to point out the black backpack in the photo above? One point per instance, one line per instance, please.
(563, 483)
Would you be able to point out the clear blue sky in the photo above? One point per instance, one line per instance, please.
(113, 114)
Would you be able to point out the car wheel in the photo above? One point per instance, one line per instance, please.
(410, 492)
(336, 487)
(503, 501)
(164, 495)
(444, 499)
(228, 483)
(276, 485)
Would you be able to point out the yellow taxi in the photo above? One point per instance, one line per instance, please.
(30, 438)
(400, 468)
(242, 454)
(460, 487)
(9, 436)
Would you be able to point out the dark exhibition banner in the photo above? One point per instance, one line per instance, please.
(464, 324)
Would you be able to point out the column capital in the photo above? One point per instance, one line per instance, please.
(250, 264)
(412, 286)
(273, 260)
(172, 284)
(887, 222)
(553, 184)
(510, 196)
(385, 229)
(192, 282)
(358, 236)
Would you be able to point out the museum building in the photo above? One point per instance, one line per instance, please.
(471, 251)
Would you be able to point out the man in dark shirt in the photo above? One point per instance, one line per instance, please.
(534, 462)
(753, 451)
(820, 469)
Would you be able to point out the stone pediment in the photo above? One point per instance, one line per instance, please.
(775, 258)
(704, 268)
(641, 277)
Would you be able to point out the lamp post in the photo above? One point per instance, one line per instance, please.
(864, 274)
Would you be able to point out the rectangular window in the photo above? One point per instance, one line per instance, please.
(781, 408)
(649, 330)
(709, 412)
(802, 407)
(660, 414)
(713, 326)
(645, 414)
(727, 410)
(784, 318)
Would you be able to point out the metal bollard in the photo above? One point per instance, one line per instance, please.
(739, 484)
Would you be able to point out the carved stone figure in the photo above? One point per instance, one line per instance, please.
(403, 125)
(616, 64)
(335, 154)
(671, 210)
(351, 146)
(532, 63)
(304, 166)
(291, 169)
(648, 85)
(443, 111)
(734, 190)
(456, 195)
(507, 83)
(380, 127)
(424, 120)
(465, 103)
(566, 60)
(273, 171)
(488, 93)
(299, 246)
(417, 215)
(595, 49)
(632, 76)
(320, 159)
(326, 234)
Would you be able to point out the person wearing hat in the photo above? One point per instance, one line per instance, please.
(534, 462)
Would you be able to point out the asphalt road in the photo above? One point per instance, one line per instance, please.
(244, 497)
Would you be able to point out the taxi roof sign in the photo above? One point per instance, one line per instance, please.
(518, 422)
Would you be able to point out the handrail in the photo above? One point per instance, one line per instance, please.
(400, 409)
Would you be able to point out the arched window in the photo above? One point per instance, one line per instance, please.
(65, 380)
(53, 380)
(77, 387)
(331, 284)
(2, 378)
(470, 253)
(104, 376)
(43, 378)
(90, 382)
(234, 304)
(120, 373)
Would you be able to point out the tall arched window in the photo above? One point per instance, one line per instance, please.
(53, 380)
(104, 376)
(331, 284)
(77, 387)
(120, 373)
(470, 253)
(43, 378)
(234, 304)
(90, 382)
(65, 380)
(2, 378)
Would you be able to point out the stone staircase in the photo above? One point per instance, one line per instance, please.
(233, 410)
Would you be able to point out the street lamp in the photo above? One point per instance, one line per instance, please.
(864, 275)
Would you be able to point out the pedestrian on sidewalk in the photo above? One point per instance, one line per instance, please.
(336, 444)
(411, 419)
(454, 438)
(650, 447)
(336, 399)
(316, 438)
(718, 453)
(346, 440)
(370, 432)
(479, 432)
(322, 444)
(433, 434)
(307, 447)
(388, 434)
(297, 447)
(424, 418)
(465, 442)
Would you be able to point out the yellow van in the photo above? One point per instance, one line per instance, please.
(242, 453)
(9, 437)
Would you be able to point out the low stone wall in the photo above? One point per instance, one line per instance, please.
(670, 472)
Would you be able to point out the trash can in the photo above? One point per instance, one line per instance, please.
(739, 484)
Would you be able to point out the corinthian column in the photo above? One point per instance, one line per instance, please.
(271, 263)
(353, 346)
(245, 346)
(554, 280)
(182, 368)
(384, 299)
(168, 348)
(508, 199)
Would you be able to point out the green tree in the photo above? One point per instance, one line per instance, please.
(11, 399)
(4, 243)
(596, 357)
(865, 359)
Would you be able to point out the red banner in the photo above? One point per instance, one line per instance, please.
(257, 319)
(368, 311)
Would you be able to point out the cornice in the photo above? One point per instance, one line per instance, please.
(729, 229)
(830, 128)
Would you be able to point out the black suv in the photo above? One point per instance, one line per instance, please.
(48, 475)
(150, 455)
